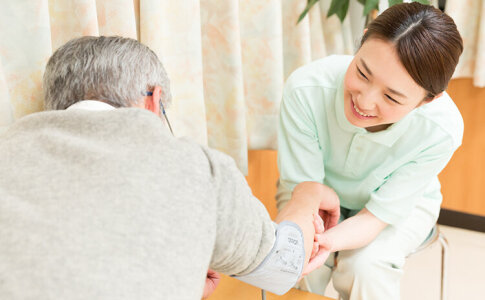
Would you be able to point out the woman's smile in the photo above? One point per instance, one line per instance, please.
(359, 113)
(378, 90)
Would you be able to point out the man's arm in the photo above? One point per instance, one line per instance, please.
(246, 237)
(293, 254)
(311, 198)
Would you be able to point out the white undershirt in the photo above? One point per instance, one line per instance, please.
(91, 105)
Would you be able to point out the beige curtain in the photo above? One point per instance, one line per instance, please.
(469, 16)
(227, 60)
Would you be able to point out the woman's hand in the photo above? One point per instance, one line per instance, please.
(319, 228)
(329, 209)
(319, 254)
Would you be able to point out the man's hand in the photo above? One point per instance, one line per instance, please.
(211, 283)
(329, 202)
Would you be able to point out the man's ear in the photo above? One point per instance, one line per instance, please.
(152, 103)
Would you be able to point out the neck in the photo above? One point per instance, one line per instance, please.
(378, 128)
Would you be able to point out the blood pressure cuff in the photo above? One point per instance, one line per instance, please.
(282, 267)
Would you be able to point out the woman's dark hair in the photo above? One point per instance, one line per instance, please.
(426, 39)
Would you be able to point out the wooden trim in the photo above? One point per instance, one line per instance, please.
(462, 179)
(231, 288)
(462, 220)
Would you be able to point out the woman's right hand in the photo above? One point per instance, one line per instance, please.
(319, 255)
(329, 209)
(319, 229)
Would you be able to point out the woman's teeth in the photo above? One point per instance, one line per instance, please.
(361, 113)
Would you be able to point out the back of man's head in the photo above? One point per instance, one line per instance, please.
(114, 70)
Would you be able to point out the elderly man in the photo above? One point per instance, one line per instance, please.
(99, 201)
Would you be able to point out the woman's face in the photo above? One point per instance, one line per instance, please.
(378, 91)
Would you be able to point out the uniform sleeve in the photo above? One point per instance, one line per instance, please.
(244, 231)
(396, 198)
(300, 155)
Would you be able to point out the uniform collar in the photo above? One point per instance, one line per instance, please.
(385, 137)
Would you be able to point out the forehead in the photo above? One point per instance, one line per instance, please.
(387, 70)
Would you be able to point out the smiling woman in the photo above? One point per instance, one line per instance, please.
(378, 89)
(377, 128)
(406, 59)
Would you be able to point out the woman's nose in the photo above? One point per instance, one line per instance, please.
(367, 101)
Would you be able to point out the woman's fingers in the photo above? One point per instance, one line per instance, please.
(315, 248)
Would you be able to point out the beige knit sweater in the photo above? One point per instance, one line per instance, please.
(108, 205)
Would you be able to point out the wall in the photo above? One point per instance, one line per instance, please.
(463, 180)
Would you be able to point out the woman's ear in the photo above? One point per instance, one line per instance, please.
(437, 96)
(152, 103)
(430, 99)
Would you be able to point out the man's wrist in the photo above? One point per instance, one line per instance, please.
(310, 191)
(331, 200)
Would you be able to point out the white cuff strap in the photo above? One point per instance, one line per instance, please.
(282, 267)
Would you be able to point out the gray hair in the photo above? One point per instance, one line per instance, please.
(115, 70)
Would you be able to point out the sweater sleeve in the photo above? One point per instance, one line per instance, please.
(245, 233)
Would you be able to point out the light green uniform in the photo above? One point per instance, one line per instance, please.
(393, 173)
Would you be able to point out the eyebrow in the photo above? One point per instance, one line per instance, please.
(388, 88)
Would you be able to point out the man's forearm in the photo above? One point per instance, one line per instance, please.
(305, 202)
(308, 198)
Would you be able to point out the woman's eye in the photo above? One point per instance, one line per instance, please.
(392, 99)
(361, 74)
